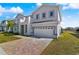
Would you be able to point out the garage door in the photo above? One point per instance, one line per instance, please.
(43, 32)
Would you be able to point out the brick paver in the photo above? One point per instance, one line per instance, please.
(26, 46)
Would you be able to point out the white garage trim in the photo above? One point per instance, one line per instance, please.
(44, 31)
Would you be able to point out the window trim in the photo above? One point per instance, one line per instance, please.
(37, 16)
(43, 15)
(52, 13)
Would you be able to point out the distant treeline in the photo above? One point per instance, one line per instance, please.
(71, 29)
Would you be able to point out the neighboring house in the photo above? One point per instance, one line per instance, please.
(4, 25)
(0, 27)
(44, 22)
(16, 23)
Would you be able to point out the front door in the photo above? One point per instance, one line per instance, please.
(22, 29)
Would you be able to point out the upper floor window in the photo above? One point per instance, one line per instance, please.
(43, 15)
(51, 13)
(37, 16)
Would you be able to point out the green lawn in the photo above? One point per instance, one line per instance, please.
(5, 37)
(67, 43)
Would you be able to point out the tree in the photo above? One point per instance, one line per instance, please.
(62, 30)
(69, 29)
(77, 30)
(10, 25)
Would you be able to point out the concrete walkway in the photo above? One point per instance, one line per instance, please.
(2, 52)
(26, 46)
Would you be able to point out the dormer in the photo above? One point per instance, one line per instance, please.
(4, 23)
(18, 18)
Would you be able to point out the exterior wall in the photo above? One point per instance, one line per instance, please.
(29, 29)
(44, 24)
(48, 21)
(16, 28)
(17, 21)
(45, 9)
(24, 23)
(58, 30)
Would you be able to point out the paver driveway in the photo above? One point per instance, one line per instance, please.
(26, 46)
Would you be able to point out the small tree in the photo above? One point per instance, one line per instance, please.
(77, 30)
(10, 25)
(62, 30)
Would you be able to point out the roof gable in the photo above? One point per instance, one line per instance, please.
(47, 6)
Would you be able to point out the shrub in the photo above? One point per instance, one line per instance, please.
(7, 34)
(77, 30)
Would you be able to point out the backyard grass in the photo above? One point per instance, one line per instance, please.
(5, 37)
(66, 44)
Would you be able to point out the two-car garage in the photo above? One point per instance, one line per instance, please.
(44, 31)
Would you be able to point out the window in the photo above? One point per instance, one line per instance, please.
(37, 16)
(51, 13)
(26, 28)
(43, 15)
(55, 30)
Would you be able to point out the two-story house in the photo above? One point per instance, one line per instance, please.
(44, 22)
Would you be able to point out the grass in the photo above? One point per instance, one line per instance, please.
(66, 44)
(5, 37)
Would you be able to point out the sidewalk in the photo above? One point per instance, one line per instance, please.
(2, 52)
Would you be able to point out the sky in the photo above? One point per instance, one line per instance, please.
(69, 12)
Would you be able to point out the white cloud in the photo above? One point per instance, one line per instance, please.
(1, 10)
(16, 10)
(72, 6)
(65, 7)
(39, 4)
(76, 5)
(69, 21)
(11, 10)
